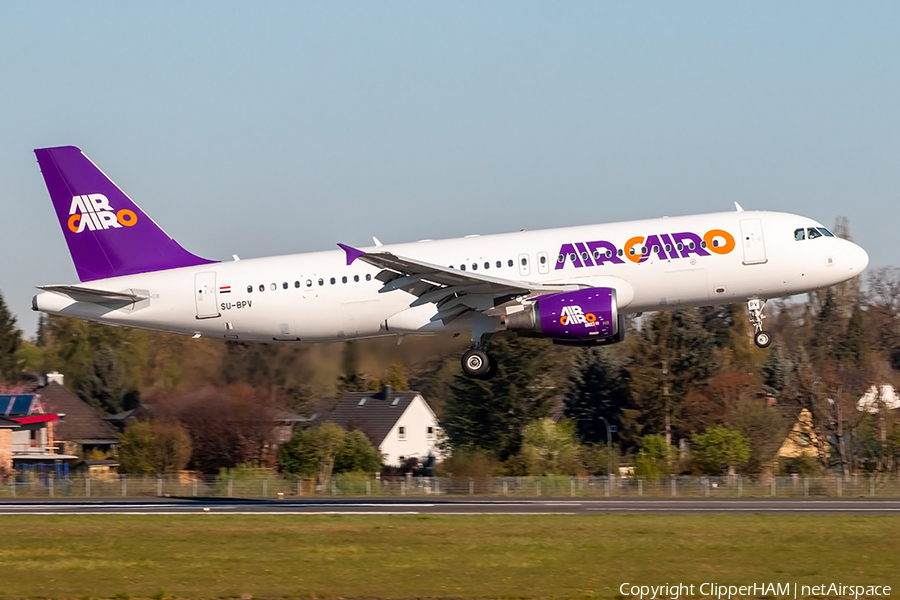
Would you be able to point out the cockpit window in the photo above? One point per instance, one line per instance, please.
(813, 233)
(825, 232)
(799, 235)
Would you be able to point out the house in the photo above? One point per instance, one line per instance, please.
(400, 424)
(83, 429)
(876, 397)
(801, 440)
(27, 434)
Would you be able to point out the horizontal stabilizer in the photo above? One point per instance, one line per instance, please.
(83, 294)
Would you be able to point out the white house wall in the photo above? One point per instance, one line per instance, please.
(417, 418)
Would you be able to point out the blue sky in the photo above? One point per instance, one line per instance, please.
(276, 127)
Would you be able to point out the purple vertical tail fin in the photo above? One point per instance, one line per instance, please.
(108, 234)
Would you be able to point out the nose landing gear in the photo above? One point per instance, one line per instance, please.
(761, 337)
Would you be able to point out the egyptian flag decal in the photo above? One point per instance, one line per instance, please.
(224, 289)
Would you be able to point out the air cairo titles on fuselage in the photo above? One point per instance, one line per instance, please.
(638, 249)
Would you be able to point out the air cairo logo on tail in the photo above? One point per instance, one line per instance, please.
(574, 315)
(93, 212)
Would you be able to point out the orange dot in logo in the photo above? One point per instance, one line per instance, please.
(74, 223)
(564, 320)
(714, 233)
(126, 217)
(590, 317)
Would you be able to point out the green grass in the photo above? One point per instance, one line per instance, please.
(290, 556)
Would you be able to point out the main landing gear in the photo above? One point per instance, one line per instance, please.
(478, 364)
(762, 338)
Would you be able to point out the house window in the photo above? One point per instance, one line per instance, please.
(401, 433)
(429, 433)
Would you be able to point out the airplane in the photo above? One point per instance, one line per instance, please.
(571, 285)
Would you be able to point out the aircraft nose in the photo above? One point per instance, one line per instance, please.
(858, 259)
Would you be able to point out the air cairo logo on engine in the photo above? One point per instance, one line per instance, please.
(574, 315)
(93, 212)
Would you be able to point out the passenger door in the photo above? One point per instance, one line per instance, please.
(752, 241)
(206, 295)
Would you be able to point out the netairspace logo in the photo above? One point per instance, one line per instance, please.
(721, 591)
(93, 212)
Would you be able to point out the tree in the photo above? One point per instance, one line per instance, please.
(229, 425)
(599, 386)
(357, 454)
(312, 452)
(10, 340)
(720, 450)
(491, 415)
(154, 447)
(764, 430)
(673, 355)
(550, 448)
(655, 458)
(105, 386)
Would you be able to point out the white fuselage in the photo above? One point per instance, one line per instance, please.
(318, 297)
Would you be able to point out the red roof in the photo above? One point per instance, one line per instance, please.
(35, 419)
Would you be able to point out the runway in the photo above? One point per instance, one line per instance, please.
(456, 506)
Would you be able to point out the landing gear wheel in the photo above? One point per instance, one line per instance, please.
(762, 339)
(492, 370)
(476, 363)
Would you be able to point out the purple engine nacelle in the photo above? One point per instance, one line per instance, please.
(587, 317)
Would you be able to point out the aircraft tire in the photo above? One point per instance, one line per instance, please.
(762, 339)
(476, 363)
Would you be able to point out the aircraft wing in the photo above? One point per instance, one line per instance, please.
(84, 294)
(453, 292)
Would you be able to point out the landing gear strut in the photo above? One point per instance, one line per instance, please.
(762, 338)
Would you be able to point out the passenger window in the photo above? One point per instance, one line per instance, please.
(344, 279)
(262, 288)
(609, 254)
(799, 235)
(668, 247)
(274, 286)
(249, 289)
(825, 232)
(296, 284)
(572, 257)
(487, 265)
(368, 277)
(525, 261)
(284, 285)
(332, 281)
(812, 233)
(655, 249)
(474, 266)
(584, 255)
(356, 278)
(692, 245)
(561, 258)
(679, 247)
(621, 252)
(321, 281)
(462, 267)
(309, 283)
(703, 244)
(499, 264)
(509, 262)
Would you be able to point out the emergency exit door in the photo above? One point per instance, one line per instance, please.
(205, 295)
(752, 241)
